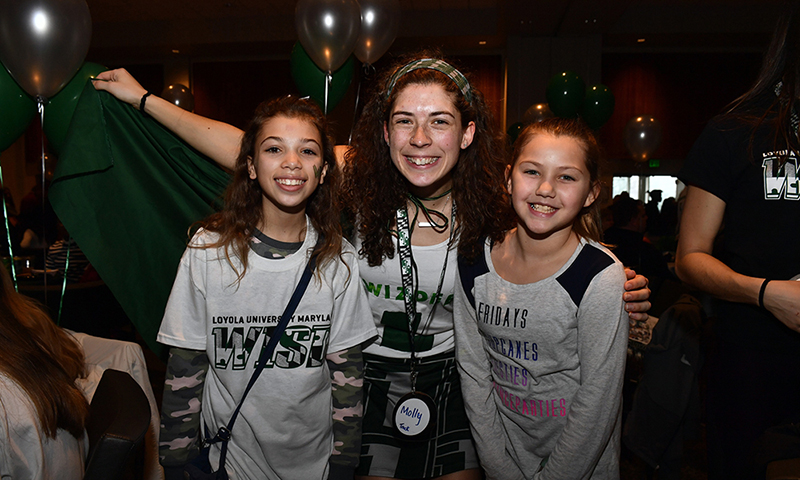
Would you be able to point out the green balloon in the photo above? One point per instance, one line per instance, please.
(597, 106)
(17, 109)
(310, 80)
(58, 113)
(565, 94)
(514, 131)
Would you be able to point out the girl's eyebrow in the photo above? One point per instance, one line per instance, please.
(569, 167)
(280, 139)
(559, 168)
(432, 114)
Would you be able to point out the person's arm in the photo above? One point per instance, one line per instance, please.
(347, 379)
(700, 222)
(217, 140)
(594, 410)
(476, 388)
(636, 296)
(180, 409)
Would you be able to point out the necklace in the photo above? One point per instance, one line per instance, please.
(436, 219)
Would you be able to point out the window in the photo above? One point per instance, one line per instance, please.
(639, 187)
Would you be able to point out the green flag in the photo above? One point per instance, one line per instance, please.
(128, 190)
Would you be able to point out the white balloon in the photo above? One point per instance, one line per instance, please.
(380, 22)
(43, 42)
(328, 30)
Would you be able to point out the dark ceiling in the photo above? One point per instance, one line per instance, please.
(151, 30)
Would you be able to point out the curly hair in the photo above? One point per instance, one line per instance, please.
(43, 360)
(588, 224)
(237, 221)
(374, 189)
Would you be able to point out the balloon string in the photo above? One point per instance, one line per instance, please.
(328, 78)
(355, 109)
(63, 285)
(8, 232)
(40, 101)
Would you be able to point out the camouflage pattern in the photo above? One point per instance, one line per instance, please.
(267, 247)
(180, 411)
(347, 379)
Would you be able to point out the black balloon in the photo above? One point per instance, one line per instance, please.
(642, 136)
(179, 95)
(537, 112)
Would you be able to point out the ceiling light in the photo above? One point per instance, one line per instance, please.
(640, 40)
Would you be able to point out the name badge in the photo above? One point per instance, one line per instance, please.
(414, 417)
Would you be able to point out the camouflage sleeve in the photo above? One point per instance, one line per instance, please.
(347, 378)
(180, 406)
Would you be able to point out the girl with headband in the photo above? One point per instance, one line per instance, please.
(427, 153)
(426, 165)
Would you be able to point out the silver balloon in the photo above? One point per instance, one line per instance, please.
(537, 112)
(328, 30)
(43, 42)
(642, 137)
(179, 95)
(380, 22)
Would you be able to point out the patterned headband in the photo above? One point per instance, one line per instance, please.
(433, 64)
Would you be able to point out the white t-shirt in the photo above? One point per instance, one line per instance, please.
(284, 427)
(25, 451)
(385, 292)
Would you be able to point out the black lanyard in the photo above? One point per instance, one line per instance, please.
(408, 271)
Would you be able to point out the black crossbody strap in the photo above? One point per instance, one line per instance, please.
(224, 433)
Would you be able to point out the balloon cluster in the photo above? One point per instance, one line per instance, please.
(568, 97)
(330, 31)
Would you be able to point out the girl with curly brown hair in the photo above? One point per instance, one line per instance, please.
(426, 153)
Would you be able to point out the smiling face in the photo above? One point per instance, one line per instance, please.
(288, 164)
(550, 185)
(425, 137)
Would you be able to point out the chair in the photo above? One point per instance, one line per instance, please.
(104, 353)
(784, 469)
(119, 415)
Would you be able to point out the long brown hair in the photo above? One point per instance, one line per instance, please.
(781, 65)
(237, 221)
(375, 189)
(588, 224)
(43, 360)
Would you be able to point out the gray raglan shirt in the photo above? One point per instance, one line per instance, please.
(542, 367)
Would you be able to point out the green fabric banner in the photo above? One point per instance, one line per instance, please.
(128, 190)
